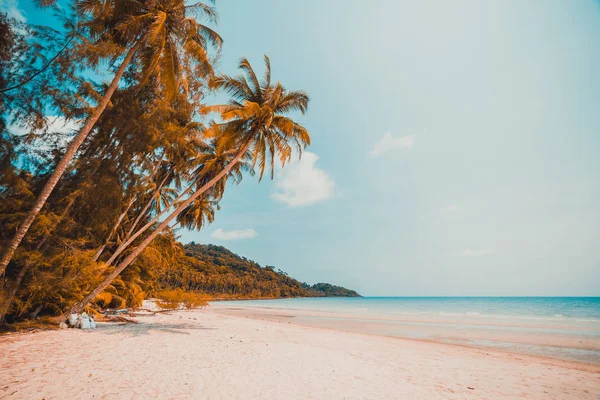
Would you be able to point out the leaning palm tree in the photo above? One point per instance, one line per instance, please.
(203, 164)
(173, 47)
(251, 105)
(254, 121)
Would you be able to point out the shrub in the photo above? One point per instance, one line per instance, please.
(175, 299)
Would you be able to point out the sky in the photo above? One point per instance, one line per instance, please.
(455, 145)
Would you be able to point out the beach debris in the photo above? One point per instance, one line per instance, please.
(81, 321)
(63, 325)
(470, 388)
(84, 322)
(73, 319)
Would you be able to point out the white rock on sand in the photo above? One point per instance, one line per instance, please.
(208, 354)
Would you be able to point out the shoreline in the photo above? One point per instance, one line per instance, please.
(557, 340)
(571, 364)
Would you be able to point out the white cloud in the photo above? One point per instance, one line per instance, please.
(302, 183)
(451, 208)
(56, 124)
(389, 143)
(11, 8)
(62, 125)
(235, 234)
(479, 252)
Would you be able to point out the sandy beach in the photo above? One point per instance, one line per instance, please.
(213, 354)
(290, 200)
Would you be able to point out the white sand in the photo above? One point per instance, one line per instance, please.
(212, 355)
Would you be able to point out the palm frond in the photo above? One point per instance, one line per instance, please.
(266, 83)
(157, 26)
(231, 86)
(254, 84)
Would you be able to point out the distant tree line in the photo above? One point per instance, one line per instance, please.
(221, 273)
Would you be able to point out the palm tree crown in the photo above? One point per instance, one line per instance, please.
(256, 115)
(173, 43)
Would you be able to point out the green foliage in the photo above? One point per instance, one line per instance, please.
(329, 290)
(223, 274)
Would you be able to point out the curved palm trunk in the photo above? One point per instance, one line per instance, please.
(113, 230)
(147, 206)
(121, 217)
(77, 308)
(64, 162)
(122, 247)
(129, 239)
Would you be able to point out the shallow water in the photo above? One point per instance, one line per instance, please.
(559, 327)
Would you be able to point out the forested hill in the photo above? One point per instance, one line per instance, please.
(222, 273)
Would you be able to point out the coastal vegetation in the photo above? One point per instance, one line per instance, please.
(108, 145)
(223, 274)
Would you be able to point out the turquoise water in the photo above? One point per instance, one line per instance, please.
(550, 308)
(560, 327)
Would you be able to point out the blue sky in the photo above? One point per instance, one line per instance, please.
(455, 145)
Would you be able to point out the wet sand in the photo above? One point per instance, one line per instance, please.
(566, 339)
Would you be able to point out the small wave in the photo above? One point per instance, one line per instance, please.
(555, 317)
(460, 314)
(413, 313)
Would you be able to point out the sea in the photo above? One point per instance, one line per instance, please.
(559, 327)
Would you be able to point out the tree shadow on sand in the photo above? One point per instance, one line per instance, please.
(145, 328)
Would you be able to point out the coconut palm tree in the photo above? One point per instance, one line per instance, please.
(184, 152)
(254, 121)
(252, 104)
(255, 117)
(203, 163)
(172, 46)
